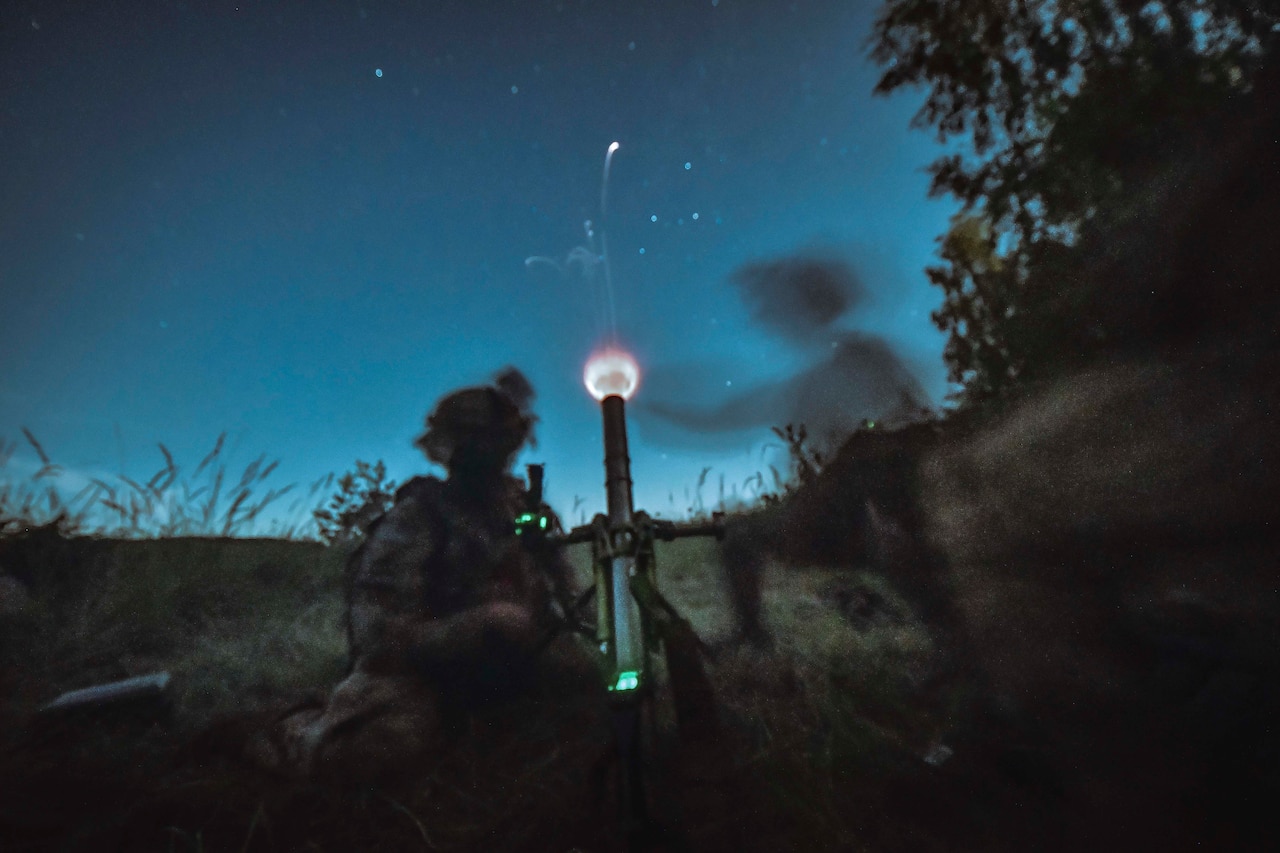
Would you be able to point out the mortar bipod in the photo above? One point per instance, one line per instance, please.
(633, 619)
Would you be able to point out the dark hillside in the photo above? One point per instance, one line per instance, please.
(1097, 546)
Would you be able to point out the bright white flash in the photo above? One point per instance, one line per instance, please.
(611, 372)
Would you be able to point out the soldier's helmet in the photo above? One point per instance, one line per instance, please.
(485, 423)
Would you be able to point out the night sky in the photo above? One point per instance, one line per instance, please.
(303, 223)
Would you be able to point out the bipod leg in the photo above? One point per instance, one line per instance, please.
(710, 793)
(634, 810)
(691, 689)
(641, 833)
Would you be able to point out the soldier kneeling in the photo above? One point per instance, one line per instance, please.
(445, 600)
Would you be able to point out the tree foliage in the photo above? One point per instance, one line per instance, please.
(1068, 120)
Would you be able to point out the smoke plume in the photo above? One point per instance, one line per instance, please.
(798, 298)
(852, 375)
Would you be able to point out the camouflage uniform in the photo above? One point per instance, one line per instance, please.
(445, 601)
(432, 559)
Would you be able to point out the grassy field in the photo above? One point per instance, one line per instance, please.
(248, 626)
(1115, 688)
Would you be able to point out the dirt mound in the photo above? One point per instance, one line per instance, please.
(1110, 539)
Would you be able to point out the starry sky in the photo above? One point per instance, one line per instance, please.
(303, 223)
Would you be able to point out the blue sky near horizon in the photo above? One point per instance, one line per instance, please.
(304, 223)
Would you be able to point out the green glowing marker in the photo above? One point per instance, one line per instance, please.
(628, 680)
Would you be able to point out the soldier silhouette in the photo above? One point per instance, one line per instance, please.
(445, 599)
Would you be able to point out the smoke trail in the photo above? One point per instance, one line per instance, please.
(860, 378)
(583, 262)
(798, 298)
(589, 262)
(853, 374)
(604, 183)
(604, 243)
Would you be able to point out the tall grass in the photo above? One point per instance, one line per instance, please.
(208, 502)
(211, 502)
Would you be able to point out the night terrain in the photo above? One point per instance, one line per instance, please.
(1090, 666)
(1043, 615)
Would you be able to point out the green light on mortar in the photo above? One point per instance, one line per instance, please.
(628, 680)
(523, 521)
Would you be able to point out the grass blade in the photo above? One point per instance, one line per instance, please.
(92, 487)
(322, 483)
(217, 448)
(211, 505)
(229, 521)
(250, 472)
(155, 478)
(253, 824)
(44, 457)
(422, 830)
(137, 487)
(104, 485)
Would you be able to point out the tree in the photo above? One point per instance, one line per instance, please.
(1075, 118)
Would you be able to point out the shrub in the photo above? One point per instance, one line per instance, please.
(362, 496)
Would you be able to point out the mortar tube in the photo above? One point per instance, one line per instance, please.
(628, 644)
(617, 464)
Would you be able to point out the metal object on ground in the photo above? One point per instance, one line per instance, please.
(143, 693)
